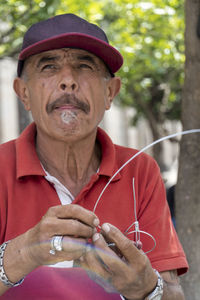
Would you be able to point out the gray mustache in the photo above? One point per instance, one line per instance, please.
(68, 99)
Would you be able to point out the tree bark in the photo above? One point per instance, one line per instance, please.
(188, 186)
(156, 129)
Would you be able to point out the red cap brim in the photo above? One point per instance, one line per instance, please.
(111, 56)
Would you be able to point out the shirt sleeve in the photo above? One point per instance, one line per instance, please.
(154, 218)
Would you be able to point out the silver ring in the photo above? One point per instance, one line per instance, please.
(56, 244)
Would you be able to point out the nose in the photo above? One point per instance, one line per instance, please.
(68, 81)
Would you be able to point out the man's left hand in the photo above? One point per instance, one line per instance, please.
(127, 271)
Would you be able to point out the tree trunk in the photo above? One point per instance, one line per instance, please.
(188, 186)
(156, 130)
(158, 149)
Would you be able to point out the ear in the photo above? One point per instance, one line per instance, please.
(113, 88)
(21, 89)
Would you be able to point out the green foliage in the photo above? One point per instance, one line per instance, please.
(16, 17)
(149, 34)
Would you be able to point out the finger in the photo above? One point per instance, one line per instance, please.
(108, 258)
(73, 211)
(73, 248)
(53, 226)
(125, 246)
(95, 264)
(81, 262)
(97, 269)
(71, 245)
(126, 275)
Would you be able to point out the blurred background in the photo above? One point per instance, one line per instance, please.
(152, 37)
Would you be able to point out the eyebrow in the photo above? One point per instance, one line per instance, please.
(87, 58)
(80, 57)
(46, 59)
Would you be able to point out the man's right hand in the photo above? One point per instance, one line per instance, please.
(31, 249)
(74, 222)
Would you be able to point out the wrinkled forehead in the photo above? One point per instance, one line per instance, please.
(65, 54)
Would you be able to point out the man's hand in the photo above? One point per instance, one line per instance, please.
(125, 269)
(128, 271)
(31, 249)
(73, 222)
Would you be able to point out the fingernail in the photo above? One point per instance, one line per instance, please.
(105, 227)
(95, 237)
(96, 222)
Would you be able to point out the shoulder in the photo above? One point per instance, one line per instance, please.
(135, 157)
(7, 151)
(120, 153)
(139, 165)
(7, 157)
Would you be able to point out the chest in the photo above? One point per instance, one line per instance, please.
(27, 205)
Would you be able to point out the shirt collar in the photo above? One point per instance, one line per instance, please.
(108, 165)
(27, 160)
(28, 163)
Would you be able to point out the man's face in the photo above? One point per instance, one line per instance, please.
(67, 91)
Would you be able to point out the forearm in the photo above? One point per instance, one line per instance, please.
(171, 288)
(16, 263)
(172, 292)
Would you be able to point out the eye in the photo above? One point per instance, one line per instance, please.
(85, 66)
(49, 67)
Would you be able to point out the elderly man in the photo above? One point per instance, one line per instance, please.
(56, 242)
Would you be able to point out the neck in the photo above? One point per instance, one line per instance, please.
(73, 163)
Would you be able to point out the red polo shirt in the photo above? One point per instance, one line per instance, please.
(26, 196)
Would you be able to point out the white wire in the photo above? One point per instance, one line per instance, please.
(151, 236)
(134, 198)
(138, 153)
(137, 230)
